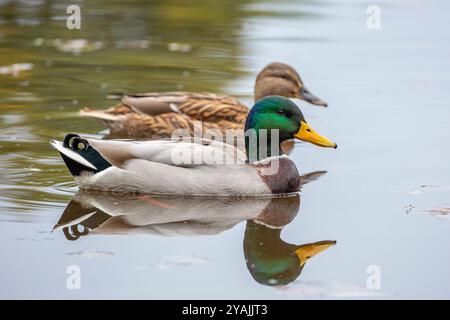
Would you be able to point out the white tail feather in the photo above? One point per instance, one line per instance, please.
(58, 145)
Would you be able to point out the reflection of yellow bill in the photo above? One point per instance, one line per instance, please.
(307, 251)
(306, 133)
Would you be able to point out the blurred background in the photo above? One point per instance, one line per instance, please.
(384, 198)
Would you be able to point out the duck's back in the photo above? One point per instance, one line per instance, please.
(210, 107)
(158, 114)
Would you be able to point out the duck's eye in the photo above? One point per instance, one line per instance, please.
(281, 111)
(81, 145)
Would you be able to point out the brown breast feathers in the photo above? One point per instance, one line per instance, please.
(281, 177)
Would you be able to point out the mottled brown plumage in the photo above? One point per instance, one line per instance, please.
(159, 114)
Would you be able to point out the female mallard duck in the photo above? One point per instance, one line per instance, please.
(157, 115)
(202, 167)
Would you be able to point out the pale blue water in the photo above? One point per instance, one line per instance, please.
(385, 196)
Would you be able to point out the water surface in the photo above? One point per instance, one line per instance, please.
(384, 197)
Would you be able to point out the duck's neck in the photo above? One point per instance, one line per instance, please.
(264, 88)
(272, 86)
(260, 145)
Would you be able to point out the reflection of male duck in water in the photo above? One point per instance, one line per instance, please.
(103, 213)
(269, 259)
(109, 213)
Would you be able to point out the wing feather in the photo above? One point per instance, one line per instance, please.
(171, 152)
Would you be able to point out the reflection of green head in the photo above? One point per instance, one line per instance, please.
(270, 260)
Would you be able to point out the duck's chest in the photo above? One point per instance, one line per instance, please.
(280, 175)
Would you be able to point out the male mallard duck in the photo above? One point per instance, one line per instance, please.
(204, 167)
(158, 114)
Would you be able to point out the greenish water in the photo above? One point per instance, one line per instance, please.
(384, 197)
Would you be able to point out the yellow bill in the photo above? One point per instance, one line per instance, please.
(306, 133)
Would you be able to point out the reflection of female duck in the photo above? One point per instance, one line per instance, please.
(269, 259)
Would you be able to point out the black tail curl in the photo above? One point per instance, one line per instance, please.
(81, 146)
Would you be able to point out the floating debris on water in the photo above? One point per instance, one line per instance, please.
(180, 47)
(319, 289)
(409, 208)
(15, 69)
(132, 44)
(171, 262)
(78, 46)
(74, 46)
(439, 213)
(430, 188)
(92, 253)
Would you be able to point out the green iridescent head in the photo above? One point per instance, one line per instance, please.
(279, 113)
(275, 112)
